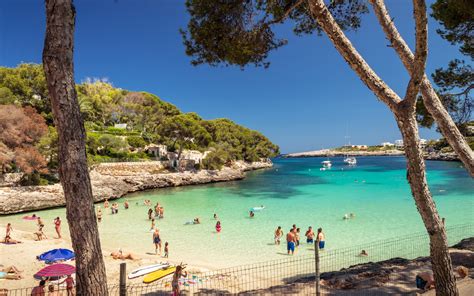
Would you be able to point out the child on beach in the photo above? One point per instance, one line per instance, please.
(166, 250)
(176, 276)
(218, 226)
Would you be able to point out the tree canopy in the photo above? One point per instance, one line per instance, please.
(147, 119)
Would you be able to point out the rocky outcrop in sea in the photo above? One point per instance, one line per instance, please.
(115, 180)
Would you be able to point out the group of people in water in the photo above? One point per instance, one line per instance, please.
(293, 238)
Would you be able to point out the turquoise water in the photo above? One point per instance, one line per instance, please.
(293, 191)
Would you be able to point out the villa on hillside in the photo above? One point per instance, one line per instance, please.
(387, 144)
(188, 159)
(159, 151)
(360, 147)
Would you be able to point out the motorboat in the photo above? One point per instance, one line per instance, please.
(350, 160)
(327, 164)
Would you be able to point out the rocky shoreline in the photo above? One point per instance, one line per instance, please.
(441, 156)
(118, 179)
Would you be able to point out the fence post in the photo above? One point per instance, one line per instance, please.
(316, 262)
(123, 279)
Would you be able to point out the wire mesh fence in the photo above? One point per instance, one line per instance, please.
(294, 275)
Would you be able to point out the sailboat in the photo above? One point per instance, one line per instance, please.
(350, 160)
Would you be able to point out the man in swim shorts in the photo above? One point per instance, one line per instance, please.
(291, 242)
(320, 238)
(309, 235)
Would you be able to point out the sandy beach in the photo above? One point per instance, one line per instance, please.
(23, 256)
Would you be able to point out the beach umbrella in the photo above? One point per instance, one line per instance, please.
(56, 255)
(55, 270)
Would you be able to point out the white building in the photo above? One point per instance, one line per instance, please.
(423, 143)
(399, 143)
(157, 150)
(120, 125)
(387, 144)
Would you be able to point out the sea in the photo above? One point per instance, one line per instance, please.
(293, 191)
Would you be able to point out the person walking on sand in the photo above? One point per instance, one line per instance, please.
(57, 226)
(157, 240)
(291, 242)
(321, 239)
(278, 235)
(218, 226)
(309, 235)
(175, 282)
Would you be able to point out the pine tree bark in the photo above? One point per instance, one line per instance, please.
(404, 111)
(439, 254)
(430, 98)
(73, 171)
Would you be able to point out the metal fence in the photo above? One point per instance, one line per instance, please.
(294, 275)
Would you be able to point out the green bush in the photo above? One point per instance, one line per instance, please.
(136, 141)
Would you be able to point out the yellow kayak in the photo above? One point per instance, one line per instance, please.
(156, 275)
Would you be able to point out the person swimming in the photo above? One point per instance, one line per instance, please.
(363, 253)
(215, 216)
(196, 221)
(252, 214)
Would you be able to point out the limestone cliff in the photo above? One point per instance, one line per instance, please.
(118, 179)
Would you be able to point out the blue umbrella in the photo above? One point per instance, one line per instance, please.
(56, 255)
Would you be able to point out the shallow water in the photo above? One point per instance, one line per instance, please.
(293, 191)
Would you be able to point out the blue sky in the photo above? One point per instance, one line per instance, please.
(308, 98)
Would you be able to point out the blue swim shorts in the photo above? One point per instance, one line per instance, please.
(321, 244)
(291, 246)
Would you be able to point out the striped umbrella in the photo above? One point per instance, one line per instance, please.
(56, 270)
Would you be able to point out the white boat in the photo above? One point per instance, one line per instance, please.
(350, 160)
(146, 270)
(327, 164)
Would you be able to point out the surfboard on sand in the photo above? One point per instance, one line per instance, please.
(142, 270)
(159, 274)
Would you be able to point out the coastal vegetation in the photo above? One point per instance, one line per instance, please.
(119, 125)
(249, 37)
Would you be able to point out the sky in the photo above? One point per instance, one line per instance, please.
(307, 99)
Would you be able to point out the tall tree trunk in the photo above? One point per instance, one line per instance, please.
(405, 115)
(430, 98)
(440, 259)
(74, 175)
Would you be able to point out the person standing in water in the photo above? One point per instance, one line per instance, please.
(150, 214)
(99, 214)
(157, 240)
(126, 205)
(278, 235)
(106, 203)
(9, 231)
(321, 238)
(57, 226)
(152, 224)
(218, 226)
(297, 236)
(215, 216)
(290, 242)
(309, 235)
